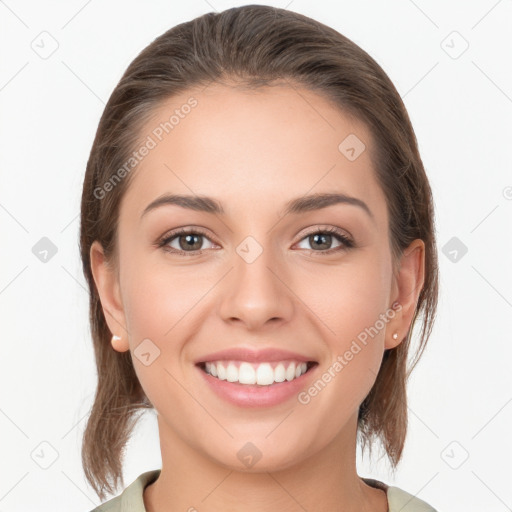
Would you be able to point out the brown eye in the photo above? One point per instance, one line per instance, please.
(190, 241)
(321, 240)
(185, 241)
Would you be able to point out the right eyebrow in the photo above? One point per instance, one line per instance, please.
(198, 203)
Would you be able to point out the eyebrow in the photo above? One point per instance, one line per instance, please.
(299, 205)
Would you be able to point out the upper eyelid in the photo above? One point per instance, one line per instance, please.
(173, 233)
(325, 227)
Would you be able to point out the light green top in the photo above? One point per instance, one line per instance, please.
(131, 499)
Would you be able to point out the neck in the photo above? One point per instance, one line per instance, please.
(327, 480)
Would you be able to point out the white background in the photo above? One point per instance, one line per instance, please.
(461, 108)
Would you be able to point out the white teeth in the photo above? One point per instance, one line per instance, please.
(232, 373)
(290, 372)
(280, 373)
(221, 371)
(253, 373)
(298, 371)
(246, 374)
(265, 375)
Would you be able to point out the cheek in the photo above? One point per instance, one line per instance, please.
(158, 295)
(349, 297)
(350, 303)
(160, 306)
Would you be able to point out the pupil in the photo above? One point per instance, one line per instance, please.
(190, 241)
(326, 239)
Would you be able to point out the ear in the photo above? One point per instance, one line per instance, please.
(107, 284)
(406, 288)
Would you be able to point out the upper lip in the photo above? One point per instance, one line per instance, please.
(253, 356)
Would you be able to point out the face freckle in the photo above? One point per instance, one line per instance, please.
(257, 283)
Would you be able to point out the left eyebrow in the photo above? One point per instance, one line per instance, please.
(319, 201)
(298, 205)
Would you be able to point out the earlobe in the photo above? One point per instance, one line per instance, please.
(407, 288)
(109, 292)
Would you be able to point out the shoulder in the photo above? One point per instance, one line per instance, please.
(131, 499)
(400, 500)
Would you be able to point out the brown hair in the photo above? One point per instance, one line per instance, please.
(256, 46)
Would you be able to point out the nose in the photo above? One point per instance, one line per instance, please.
(255, 293)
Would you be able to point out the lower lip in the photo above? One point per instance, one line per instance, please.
(252, 395)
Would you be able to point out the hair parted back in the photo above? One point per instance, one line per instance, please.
(256, 46)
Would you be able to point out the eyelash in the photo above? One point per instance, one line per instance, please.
(346, 242)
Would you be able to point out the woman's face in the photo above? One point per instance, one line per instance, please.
(252, 276)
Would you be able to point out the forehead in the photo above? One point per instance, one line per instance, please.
(253, 148)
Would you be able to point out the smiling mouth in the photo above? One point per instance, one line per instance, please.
(261, 374)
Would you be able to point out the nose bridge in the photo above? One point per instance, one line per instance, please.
(255, 293)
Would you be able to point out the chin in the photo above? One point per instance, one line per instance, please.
(257, 457)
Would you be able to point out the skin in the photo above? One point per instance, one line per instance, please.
(253, 151)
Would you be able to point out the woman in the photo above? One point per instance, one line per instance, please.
(257, 232)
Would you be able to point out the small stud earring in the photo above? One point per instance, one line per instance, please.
(395, 336)
(118, 344)
(115, 341)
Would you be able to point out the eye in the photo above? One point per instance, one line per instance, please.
(321, 240)
(189, 241)
(184, 240)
